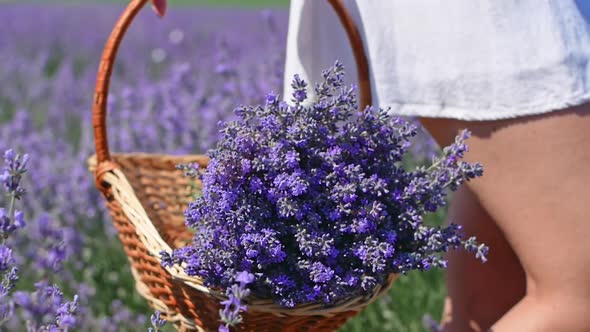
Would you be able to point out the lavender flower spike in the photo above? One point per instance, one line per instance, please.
(43, 309)
(11, 174)
(230, 314)
(157, 322)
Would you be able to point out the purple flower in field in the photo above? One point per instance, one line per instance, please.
(44, 309)
(47, 85)
(6, 258)
(121, 319)
(6, 225)
(50, 252)
(66, 315)
(157, 322)
(15, 166)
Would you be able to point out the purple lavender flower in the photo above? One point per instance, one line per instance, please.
(157, 322)
(230, 314)
(300, 89)
(50, 252)
(6, 258)
(121, 319)
(66, 315)
(15, 166)
(430, 323)
(244, 278)
(44, 309)
(315, 202)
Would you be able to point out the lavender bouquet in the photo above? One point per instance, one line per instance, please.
(309, 202)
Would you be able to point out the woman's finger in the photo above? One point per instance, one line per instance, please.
(159, 7)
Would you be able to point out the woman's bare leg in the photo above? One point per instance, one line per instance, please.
(537, 188)
(479, 294)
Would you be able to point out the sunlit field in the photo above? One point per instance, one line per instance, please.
(174, 80)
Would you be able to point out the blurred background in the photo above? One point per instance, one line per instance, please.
(175, 78)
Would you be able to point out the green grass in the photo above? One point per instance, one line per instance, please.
(412, 297)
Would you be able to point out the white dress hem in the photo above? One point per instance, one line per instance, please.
(490, 114)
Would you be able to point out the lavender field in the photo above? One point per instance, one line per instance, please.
(174, 80)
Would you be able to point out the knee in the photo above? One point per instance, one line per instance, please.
(563, 311)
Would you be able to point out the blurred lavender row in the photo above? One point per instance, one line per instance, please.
(175, 78)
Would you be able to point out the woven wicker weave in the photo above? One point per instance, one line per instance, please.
(146, 196)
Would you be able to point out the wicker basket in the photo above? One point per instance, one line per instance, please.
(146, 197)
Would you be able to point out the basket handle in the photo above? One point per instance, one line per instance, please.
(99, 110)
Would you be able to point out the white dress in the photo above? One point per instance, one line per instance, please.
(462, 59)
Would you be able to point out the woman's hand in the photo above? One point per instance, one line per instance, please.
(159, 7)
